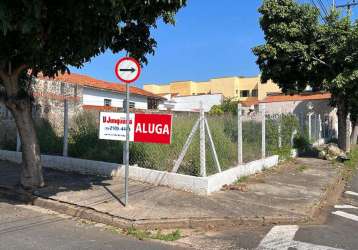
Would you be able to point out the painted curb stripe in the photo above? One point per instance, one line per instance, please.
(345, 207)
(351, 193)
(346, 215)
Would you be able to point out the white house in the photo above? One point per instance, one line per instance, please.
(190, 103)
(96, 94)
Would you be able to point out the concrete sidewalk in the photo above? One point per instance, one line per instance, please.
(290, 193)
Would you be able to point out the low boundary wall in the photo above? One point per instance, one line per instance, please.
(197, 185)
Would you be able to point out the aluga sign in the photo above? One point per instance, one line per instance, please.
(149, 128)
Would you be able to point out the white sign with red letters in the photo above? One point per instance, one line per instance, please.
(148, 128)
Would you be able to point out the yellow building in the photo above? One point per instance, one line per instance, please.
(239, 88)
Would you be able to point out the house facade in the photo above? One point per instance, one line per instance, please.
(191, 103)
(238, 88)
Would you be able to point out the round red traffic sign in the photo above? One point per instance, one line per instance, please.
(127, 69)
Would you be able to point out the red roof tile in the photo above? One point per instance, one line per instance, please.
(88, 81)
(249, 102)
(300, 97)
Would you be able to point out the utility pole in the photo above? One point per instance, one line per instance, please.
(350, 4)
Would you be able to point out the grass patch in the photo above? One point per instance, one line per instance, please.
(351, 165)
(241, 179)
(302, 168)
(155, 235)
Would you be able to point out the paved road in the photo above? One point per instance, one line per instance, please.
(26, 227)
(340, 231)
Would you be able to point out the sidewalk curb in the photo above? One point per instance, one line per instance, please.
(164, 223)
(331, 195)
(316, 214)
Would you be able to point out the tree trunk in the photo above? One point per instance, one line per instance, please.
(354, 134)
(343, 135)
(31, 175)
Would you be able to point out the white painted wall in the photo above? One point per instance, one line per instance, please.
(198, 185)
(96, 97)
(191, 103)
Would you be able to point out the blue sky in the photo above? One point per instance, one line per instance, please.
(210, 39)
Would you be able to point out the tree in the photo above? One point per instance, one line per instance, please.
(301, 51)
(48, 36)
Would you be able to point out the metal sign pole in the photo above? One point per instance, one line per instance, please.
(126, 148)
(127, 70)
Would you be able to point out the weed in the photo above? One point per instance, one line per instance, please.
(241, 179)
(155, 235)
(301, 168)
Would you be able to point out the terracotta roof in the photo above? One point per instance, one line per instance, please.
(88, 81)
(249, 102)
(300, 97)
(100, 108)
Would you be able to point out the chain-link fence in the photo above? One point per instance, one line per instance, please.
(229, 140)
(251, 136)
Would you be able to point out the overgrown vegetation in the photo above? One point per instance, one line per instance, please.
(84, 142)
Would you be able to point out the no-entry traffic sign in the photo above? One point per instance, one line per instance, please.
(148, 128)
(127, 69)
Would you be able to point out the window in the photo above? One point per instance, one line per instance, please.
(131, 104)
(107, 102)
(153, 103)
(244, 93)
(254, 93)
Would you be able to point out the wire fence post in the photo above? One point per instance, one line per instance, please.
(239, 134)
(65, 129)
(263, 129)
(202, 142)
(279, 133)
(18, 142)
(319, 128)
(309, 126)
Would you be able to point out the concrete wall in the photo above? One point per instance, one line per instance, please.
(192, 103)
(197, 185)
(96, 97)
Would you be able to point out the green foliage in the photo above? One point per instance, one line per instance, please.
(301, 168)
(216, 110)
(300, 50)
(49, 142)
(241, 179)
(84, 142)
(352, 163)
(229, 105)
(155, 235)
(302, 143)
(48, 37)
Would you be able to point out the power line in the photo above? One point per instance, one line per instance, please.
(323, 7)
(314, 4)
(349, 6)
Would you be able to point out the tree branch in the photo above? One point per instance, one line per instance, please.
(322, 62)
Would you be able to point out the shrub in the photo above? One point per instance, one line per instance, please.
(50, 142)
(84, 141)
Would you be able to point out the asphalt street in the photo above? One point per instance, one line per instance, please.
(27, 227)
(340, 231)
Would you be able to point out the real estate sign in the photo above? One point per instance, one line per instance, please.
(149, 128)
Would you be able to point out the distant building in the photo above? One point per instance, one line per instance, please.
(190, 103)
(308, 105)
(238, 88)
